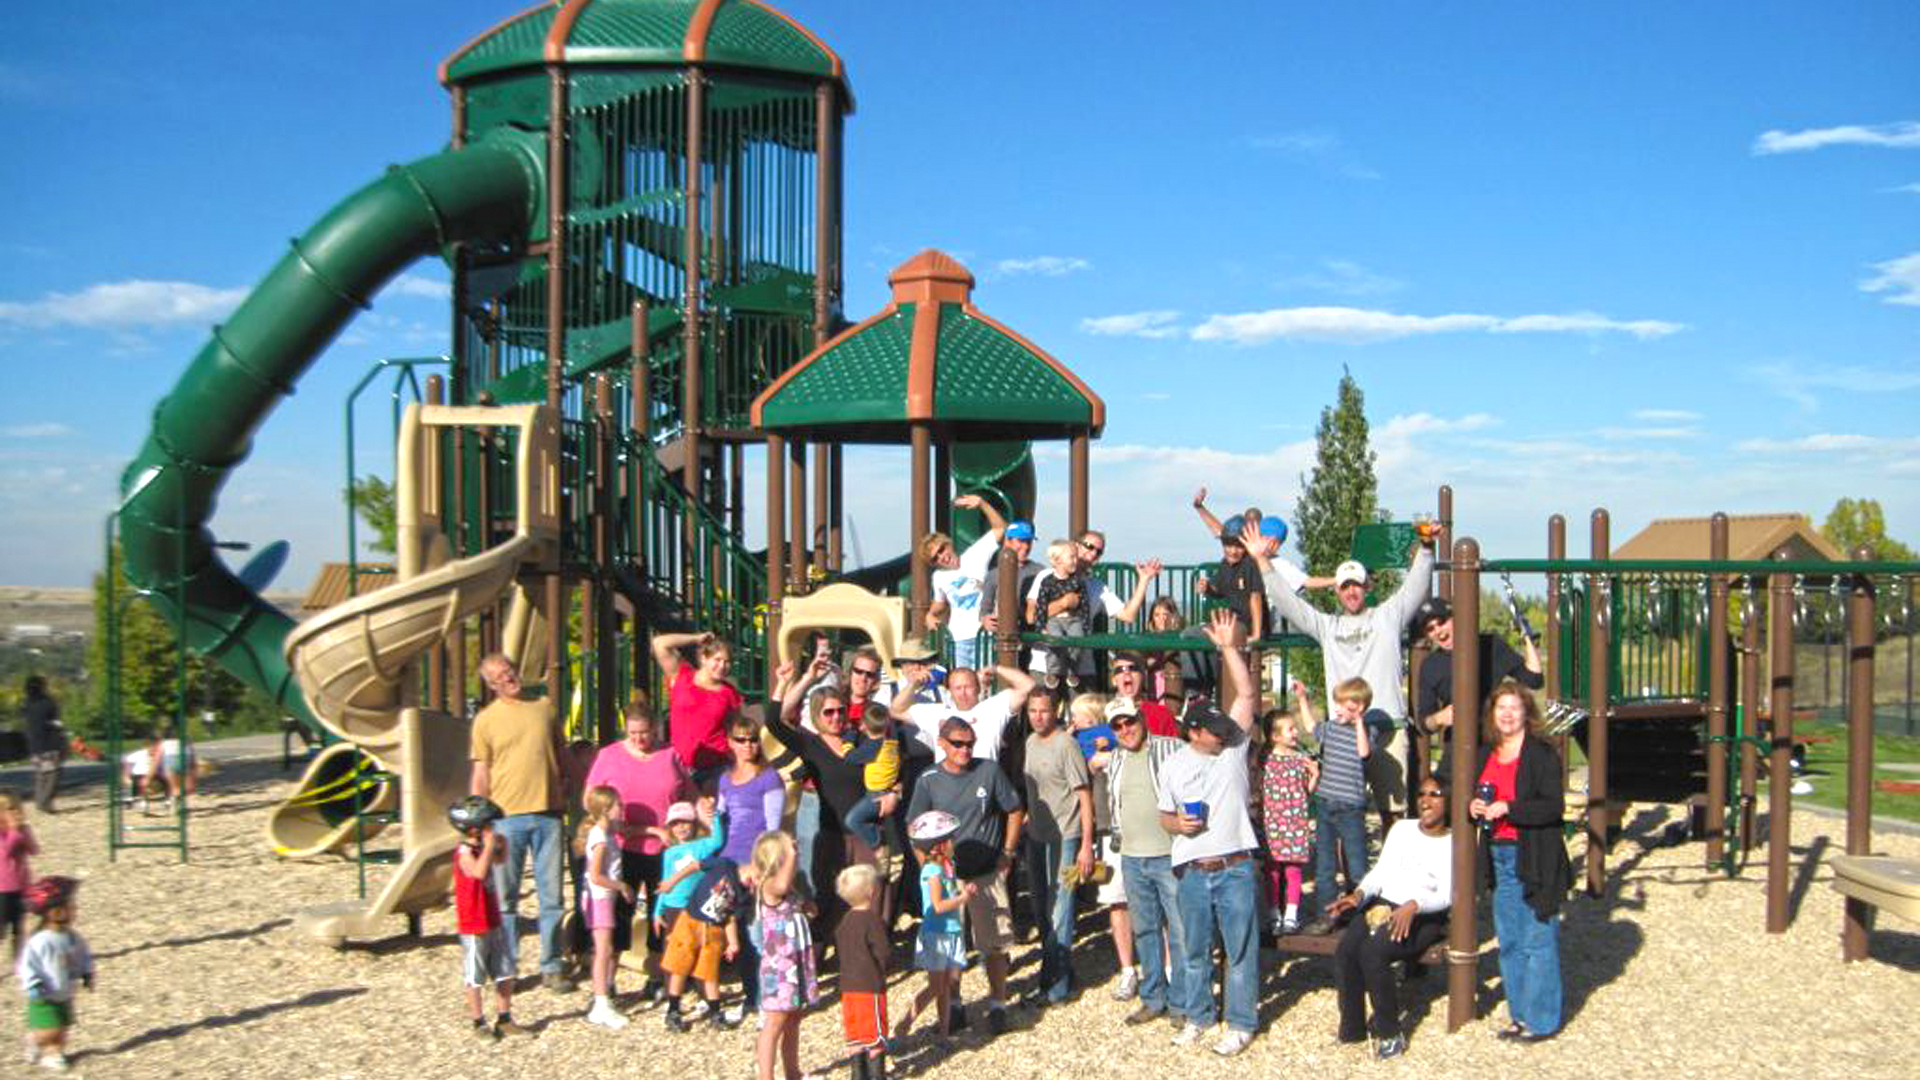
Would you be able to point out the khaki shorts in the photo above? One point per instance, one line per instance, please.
(990, 913)
(694, 948)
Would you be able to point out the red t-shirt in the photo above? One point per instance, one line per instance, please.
(1504, 776)
(1159, 719)
(473, 904)
(697, 719)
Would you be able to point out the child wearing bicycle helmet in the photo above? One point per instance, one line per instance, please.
(484, 956)
(55, 959)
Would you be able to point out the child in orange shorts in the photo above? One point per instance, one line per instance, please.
(696, 880)
(861, 943)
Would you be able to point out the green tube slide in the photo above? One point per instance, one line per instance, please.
(490, 191)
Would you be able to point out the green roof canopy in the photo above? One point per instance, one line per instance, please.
(931, 356)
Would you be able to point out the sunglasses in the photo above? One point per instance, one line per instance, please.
(960, 744)
(1119, 668)
(1122, 722)
(833, 712)
(869, 672)
(1433, 794)
(745, 740)
(1091, 546)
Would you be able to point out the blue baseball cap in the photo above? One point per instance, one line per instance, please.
(1020, 530)
(1275, 527)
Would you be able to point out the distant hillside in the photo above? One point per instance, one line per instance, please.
(63, 611)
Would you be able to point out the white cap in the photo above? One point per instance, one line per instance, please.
(1351, 570)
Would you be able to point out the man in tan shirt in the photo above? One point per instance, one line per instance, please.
(517, 762)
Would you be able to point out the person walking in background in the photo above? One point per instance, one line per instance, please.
(46, 741)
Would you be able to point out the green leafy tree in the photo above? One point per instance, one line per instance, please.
(1856, 522)
(1341, 493)
(372, 498)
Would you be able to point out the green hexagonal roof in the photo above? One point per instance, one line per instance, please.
(723, 33)
(929, 355)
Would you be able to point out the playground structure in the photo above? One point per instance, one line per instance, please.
(641, 212)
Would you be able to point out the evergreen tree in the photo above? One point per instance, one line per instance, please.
(1340, 494)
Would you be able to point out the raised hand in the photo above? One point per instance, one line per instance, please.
(1220, 628)
(968, 501)
(1149, 569)
(1200, 496)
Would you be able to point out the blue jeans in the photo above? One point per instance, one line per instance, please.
(539, 833)
(1529, 948)
(1224, 901)
(1153, 896)
(1346, 823)
(864, 819)
(1052, 912)
(966, 652)
(806, 828)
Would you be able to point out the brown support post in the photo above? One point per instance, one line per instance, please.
(835, 504)
(1006, 638)
(1077, 484)
(607, 674)
(776, 542)
(822, 468)
(1599, 621)
(826, 165)
(1443, 540)
(737, 488)
(691, 357)
(1717, 687)
(1750, 717)
(921, 518)
(640, 418)
(1550, 636)
(1780, 743)
(1858, 919)
(797, 512)
(558, 195)
(943, 487)
(1463, 946)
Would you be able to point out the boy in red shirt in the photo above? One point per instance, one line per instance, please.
(483, 942)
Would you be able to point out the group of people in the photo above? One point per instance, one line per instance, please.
(946, 792)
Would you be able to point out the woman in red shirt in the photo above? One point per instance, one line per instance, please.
(699, 701)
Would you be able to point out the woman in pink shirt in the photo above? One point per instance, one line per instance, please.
(16, 843)
(649, 779)
(699, 701)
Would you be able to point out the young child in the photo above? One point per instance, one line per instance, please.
(16, 843)
(1287, 778)
(694, 880)
(861, 944)
(878, 755)
(941, 950)
(787, 981)
(484, 956)
(1062, 606)
(1341, 796)
(605, 816)
(56, 957)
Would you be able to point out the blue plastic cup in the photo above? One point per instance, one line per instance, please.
(1195, 809)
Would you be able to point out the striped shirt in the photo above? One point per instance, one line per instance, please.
(1342, 783)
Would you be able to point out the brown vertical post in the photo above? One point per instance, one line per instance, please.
(1550, 636)
(640, 385)
(1780, 743)
(826, 164)
(1077, 484)
(1599, 622)
(558, 195)
(1444, 538)
(776, 543)
(1750, 716)
(1858, 918)
(1463, 952)
(1717, 694)
(737, 488)
(921, 521)
(797, 515)
(835, 499)
(691, 356)
(607, 676)
(822, 468)
(1007, 607)
(943, 487)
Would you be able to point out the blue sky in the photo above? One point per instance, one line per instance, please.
(1659, 258)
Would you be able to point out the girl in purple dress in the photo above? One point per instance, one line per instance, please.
(787, 983)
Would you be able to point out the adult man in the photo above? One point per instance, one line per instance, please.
(991, 821)
(1059, 836)
(989, 718)
(1203, 803)
(46, 741)
(960, 581)
(517, 760)
(1434, 685)
(1017, 545)
(1128, 672)
(915, 660)
(1133, 814)
(1365, 643)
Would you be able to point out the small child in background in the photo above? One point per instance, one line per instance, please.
(941, 950)
(605, 815)
(1340, 799)
(787, 979)
(484, 956)
(55, 959)
(878, 755)
(694, 880)
(1062, 606)
(861, 944)
(16, 844)
(1287, 778)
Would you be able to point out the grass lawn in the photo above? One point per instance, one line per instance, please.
(1827, 771)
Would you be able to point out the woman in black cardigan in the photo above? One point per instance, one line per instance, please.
(1521, 798)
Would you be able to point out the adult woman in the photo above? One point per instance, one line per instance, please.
(823, 746)
(699, 702)
(649, 779)
(1174, 671)
(1413, 880)
(754, 797)
(1519, 796)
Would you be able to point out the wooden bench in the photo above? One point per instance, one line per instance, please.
(1881, 881)
(1325, 944)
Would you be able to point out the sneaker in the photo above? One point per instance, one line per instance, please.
(1188, 1034)
(1145, 1014)
(1073, 680)
(604, 1014)
(558, 982)
(997, 1019)
(1053, 681)
(675, 1020)
(698, 1010)
(957, 1017)
(1127, 987)
(734, 1014)
(1232, 1042)
(1289, 926)
(482, 1031)
(725, 1019)
(505, 1027)
(1390, 1048)
(55, 1061)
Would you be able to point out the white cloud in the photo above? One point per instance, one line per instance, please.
(1044, 265)
(1146, 324)
(1830, 443)
(1797, 384)
(1677, 416)
(1362, 325)
(1899, 279)
(1344, 277)
(1904, 189)
(1904, 135)
(125, 305)
(1412, 425)
(1321, 147)
(36, 431)
(415, 285)
(1647, 434)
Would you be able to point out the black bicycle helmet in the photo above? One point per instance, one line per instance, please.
(474, 812)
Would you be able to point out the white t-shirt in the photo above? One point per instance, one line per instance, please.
(597, 838)
(964, 586)
(1292, 576)
(138, 763)
(1104, 599)
(1220, 781)
(989, 719)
